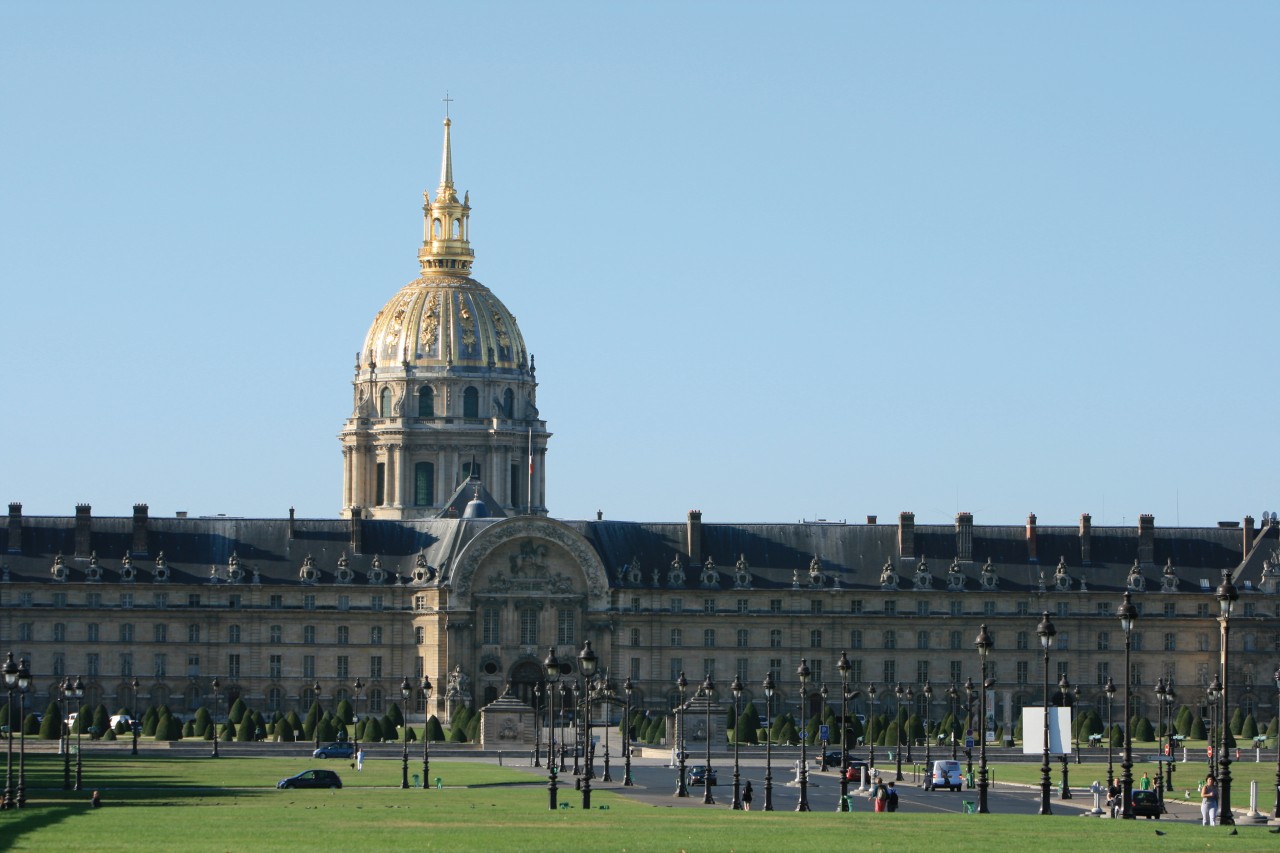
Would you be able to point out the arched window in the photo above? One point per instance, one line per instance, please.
(275, 698)
(508, 403)
(457, 228)
(377, 702)
(471, 403)
(470, 469)
(426, 402)
(384, 403)
(435, 229)
(424, 484)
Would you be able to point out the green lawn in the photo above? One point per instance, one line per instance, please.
(197, 804)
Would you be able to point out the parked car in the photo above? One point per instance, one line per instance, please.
(945, 774)
(311, 779)
(117, 718)
(341, 749)
(697, 773)
(1146, 804)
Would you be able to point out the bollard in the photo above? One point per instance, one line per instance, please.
(499, 758)
(1097, 803)
(439, 783)
(1253, 813)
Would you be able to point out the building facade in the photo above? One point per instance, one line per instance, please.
(446, 562)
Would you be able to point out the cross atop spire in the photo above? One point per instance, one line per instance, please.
(447, 101)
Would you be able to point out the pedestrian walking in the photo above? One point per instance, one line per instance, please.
(746, 796)
(1208, 802)
(360, 760)
(891, 800)
(881, 799)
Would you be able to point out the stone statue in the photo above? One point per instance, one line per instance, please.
(675, 575)
(742, 577)
(1135, 581)
(888, 577)
(710, 575)
(1061, 580)
(989, 579)
(955, 577)
(923, 578)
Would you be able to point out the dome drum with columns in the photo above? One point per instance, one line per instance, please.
(445, 392)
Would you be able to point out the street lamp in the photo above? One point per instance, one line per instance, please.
(627, 781)
(736, 689)
(134, 723)
(1110, 690)
(610, 699)
(214, 722)
(1169, 697)
(911, 706)
(1161, 691)
(970, 694)
(1075, 700)
(953, 696)
(315, 688)
(1064, 691)
(551, 666)
(77, 693)
(1127, 613)
(566, 700)
(768, 687)
(708, 694)
(822, 757)
(587, 662)
(900, 693)
(682, 684)
(425, 686)
(406, 691)
(803, 673)
(1047, 632)
(537, 724)
(24, 685)
(10, 682)
(843, 666)
(928, 703)
(1276, 812)
(1214, 692)
(64, 731)
(984, 643)
(1226, 595)
(355, 720)
(871, 729)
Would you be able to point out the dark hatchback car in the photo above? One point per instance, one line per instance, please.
(312, 779)
(334, 750)
(697, 773)
(1146, 804)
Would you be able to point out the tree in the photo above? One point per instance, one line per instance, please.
(202, 720)
(473, 728)
(31, 725)
(811, 730)
(1182, 722)
(101, 721)
(1197, 730)
(326, 729)
(51, 727)
(228, 731)
(1237, 721)
(396, 716)
(189, 729)
(744, 731)
(372, 730)
(150, 716)
(313, 718)
(169, 728)
(1144, 731)
(237, 711)
(344, 712)
(1249, 730)
(435, 731)
(788, 733)
(410, 735)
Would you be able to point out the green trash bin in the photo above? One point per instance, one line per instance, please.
(439, 783)
(417, 781)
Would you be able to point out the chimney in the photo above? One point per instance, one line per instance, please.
(1146, 539)
(1248, 534)
(291, 524)
(694, 537)
(1031, 539)
(15, 528)
(964, 536)
(139, 548)
(357, 530)
(1086, 530)
(84, 530)
(907, 535)
(871, 519)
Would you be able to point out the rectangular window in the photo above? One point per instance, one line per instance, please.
(566, 626)
(94, 600)
(1202, 642)
(890, 671)
(343, 667)
(233, 666)
(890, 640)
(420, 603)
(855, 606)
(160, 599)
(891, 608)
(1102, 671)
(775, 605)
(375, 635)
(957, 671)
(161, 633)
(957, 608)
(126, 632)
(193, 599)
(308, 666)
(1021, 641)
(309, 602)
(855, 671)
(490, 620)
(1063, 609)
(677, 605)
(60, 599)
(1062, 669)
(91, 664)
(59, 666)
(1135, 674)
(743, 638)
(635, 603)
(193, 666)
(677, 637)
(1104, 641)
(277, 634)
(277, 602)
(309, 635)
(1020, 672)
(25, 599)
(91, 632)
(233, 633)
(775, 638)
(126, 664)
(709, 637)
(742, 605)
(275, 666)
(1064, 640)
(954, 640)
(740, 669)
(344, 602)
(26, 632)
(375, 666)
(126, 600)
(1170, 642)
(922, 608)
(419, 634)
(233, 601)
(193, 633)
(635, 669)
(988, 608)
(815, 668)
(1135, 642)
(855, 638)
(922, 672)
(528, 627)
(1023, 608)
(709, 667)
(922, 640)
(161, 668)
(815, 639)
(677, 667)
(1170, 610)
(708, 605)
(376, 603)
(344, 635)
(635, 636)
(815, 606)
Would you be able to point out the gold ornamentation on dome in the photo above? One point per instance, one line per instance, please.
(468, 336)
(504, 339)
(430, 324)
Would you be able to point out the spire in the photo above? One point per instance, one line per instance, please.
(446, 222)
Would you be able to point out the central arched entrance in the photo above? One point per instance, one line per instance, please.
(524, 675)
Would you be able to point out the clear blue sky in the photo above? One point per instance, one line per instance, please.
(775, 261)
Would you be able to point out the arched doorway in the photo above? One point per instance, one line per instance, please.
(524, 675)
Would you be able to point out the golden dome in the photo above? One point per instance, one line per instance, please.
(440, 321)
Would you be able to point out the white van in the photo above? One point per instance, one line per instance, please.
(946, 774)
